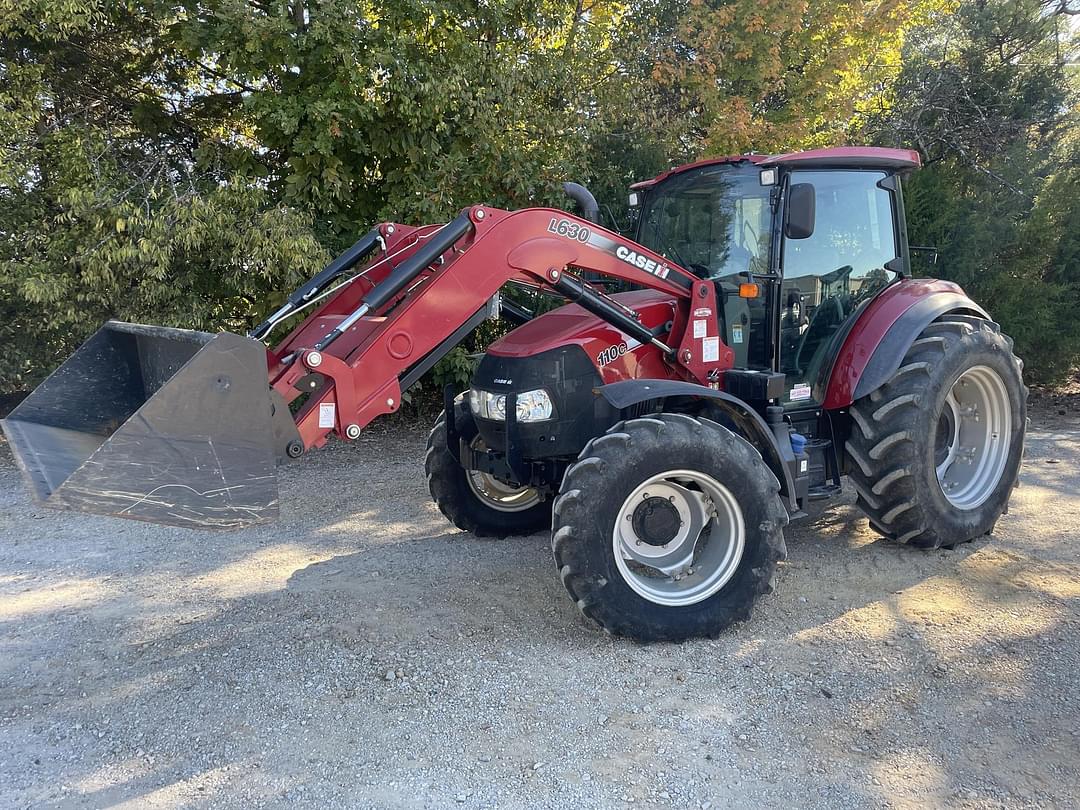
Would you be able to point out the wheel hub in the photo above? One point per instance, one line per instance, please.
(971, 445)
(679, 537)
(497, 494)
(656, 521)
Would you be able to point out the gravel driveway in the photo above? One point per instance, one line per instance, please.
(362, 653)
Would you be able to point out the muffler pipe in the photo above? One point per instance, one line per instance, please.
(585, 200)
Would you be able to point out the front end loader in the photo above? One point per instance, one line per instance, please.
(757, 339)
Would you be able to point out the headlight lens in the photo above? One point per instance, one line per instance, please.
(532, 406)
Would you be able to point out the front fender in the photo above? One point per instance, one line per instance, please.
(751, 425)
(876, 343)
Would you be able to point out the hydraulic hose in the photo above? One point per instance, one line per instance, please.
(342, 264)
(440, 242)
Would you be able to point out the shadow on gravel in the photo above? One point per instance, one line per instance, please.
(188, 668)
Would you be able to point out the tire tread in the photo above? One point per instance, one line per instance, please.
(886, 455)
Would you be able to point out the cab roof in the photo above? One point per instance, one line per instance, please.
(833, 157)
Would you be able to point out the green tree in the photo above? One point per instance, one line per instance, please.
(409, 109)
(123, 192)
(188, 162)
(986, 97)
(726, 76)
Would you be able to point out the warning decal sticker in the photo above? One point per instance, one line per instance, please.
(800, 391)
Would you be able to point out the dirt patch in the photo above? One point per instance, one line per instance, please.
(361, 652)
(1058, 404)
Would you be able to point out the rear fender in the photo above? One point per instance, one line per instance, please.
(877, 341)
(748, 422)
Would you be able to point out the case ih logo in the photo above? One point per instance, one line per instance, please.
(641, 262)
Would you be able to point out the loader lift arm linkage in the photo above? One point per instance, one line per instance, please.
(353, 354)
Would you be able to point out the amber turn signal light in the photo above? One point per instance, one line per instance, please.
(748, 291)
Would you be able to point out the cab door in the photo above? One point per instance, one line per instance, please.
(852, 255)
(717, 223)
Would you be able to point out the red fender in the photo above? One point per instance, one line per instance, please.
(878, 340)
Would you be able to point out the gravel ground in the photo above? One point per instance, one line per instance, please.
(361, 653)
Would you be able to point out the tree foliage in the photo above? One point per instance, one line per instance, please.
(987, 97)
(771, 74)
(121, 194)
(188, 161)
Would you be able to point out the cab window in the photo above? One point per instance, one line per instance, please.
(716, 223)
(830, 273)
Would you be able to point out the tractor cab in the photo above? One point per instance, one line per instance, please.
(796, 244)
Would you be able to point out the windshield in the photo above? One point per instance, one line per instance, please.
(713, 221)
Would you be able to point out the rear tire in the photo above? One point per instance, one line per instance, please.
(714, 575)
(475, 502)
(936, 451)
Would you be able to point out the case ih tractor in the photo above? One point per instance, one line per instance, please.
(766, 340)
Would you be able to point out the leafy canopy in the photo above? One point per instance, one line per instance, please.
(188, 162)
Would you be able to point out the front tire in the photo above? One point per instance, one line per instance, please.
(668, 528)
(936, 451)
(476, 502)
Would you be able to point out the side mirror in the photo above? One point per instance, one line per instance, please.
(799, 223)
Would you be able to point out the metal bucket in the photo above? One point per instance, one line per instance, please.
(151, 423)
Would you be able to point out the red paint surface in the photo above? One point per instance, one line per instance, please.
(572, 325)
(871, 328)
(838, 155)
(362, 370)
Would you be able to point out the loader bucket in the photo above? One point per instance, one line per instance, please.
(146, 422)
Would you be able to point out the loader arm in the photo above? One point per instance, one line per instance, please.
(352, 354)
(185, 428)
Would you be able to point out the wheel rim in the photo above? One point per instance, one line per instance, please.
(704, 549)
(971, 446)
(495, 493)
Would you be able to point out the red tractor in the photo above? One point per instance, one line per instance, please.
(767, 339)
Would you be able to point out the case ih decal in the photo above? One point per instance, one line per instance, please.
(641, 261)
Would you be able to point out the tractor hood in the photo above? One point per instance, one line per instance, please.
(616, 355)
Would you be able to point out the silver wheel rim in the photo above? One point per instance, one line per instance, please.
(701, 557)
(972, 443)
(497, 494)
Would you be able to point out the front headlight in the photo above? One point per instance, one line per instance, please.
(532, 406)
